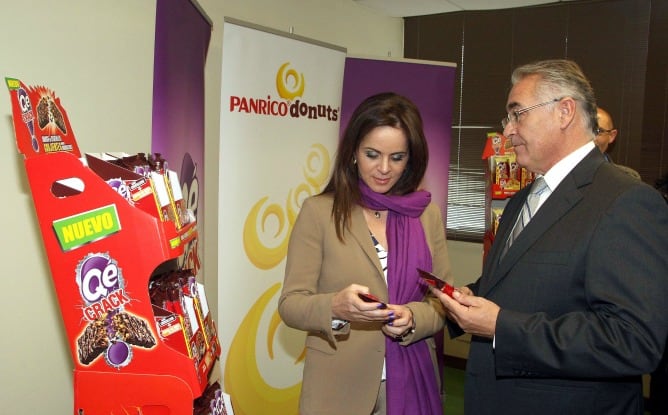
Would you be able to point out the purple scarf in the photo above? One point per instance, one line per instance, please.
(411, 381)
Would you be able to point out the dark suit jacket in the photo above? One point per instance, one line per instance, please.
(342, 370)
(582, 292)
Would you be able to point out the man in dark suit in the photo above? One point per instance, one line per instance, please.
(569, 311)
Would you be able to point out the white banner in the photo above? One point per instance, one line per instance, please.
(279, 126)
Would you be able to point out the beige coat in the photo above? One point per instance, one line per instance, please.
(342, 370)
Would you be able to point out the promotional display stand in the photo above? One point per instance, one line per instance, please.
(503, 178)
(130, 355)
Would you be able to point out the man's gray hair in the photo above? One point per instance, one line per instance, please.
(562, 78)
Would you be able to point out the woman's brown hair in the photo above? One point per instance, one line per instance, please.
(384, 109)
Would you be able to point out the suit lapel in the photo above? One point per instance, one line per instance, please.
(510, 213)
(567, 194)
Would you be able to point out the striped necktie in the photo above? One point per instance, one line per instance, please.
(529, 209)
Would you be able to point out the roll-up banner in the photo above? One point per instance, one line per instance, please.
(182, 34)
(430, 85)
(279, 127)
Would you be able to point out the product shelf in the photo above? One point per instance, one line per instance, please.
(104, 249)
(137, 244)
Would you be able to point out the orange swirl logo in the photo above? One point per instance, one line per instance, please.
(289, 82)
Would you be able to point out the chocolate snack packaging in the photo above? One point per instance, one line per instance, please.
(514, 173)
(213, 402)
(370, 298)
(146, 183)
(501, 170)
(437, 282)
(184, 301)
(496, 218)
(527, 178)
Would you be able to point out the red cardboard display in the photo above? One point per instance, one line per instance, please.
(40, 123)
(503, 178)
(102, 251)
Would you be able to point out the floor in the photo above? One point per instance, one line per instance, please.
(454, 391)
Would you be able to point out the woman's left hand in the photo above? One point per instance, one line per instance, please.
(401, 324)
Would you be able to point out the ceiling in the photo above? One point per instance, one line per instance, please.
(405, 8)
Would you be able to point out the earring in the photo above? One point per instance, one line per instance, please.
(354, 161)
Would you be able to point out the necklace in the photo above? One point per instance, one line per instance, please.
(376, 213)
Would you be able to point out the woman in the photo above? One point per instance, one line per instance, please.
(368, 232)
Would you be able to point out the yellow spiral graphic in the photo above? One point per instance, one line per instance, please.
(262, 256)
(250, 394)
(289, 82)
(316, 170)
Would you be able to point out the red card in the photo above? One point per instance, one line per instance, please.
(434, 281)
(370, 298)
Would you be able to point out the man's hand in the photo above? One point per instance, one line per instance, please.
(475, 315)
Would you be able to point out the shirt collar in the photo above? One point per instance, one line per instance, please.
(556, 174)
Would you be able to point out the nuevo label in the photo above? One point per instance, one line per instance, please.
(75, 231)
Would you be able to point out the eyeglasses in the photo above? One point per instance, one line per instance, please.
(514, 116)
(600, 131)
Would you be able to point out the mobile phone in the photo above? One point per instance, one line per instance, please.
(370, 298)
(434, 281)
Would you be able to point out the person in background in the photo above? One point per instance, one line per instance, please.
(606, 134)
(367, 233)
(569, 311)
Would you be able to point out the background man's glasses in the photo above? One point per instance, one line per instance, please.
(514, 116)
(600, 131)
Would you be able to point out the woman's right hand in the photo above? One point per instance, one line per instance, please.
(347, 305)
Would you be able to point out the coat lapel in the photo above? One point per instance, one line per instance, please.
(361, 235)
(561, 201)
